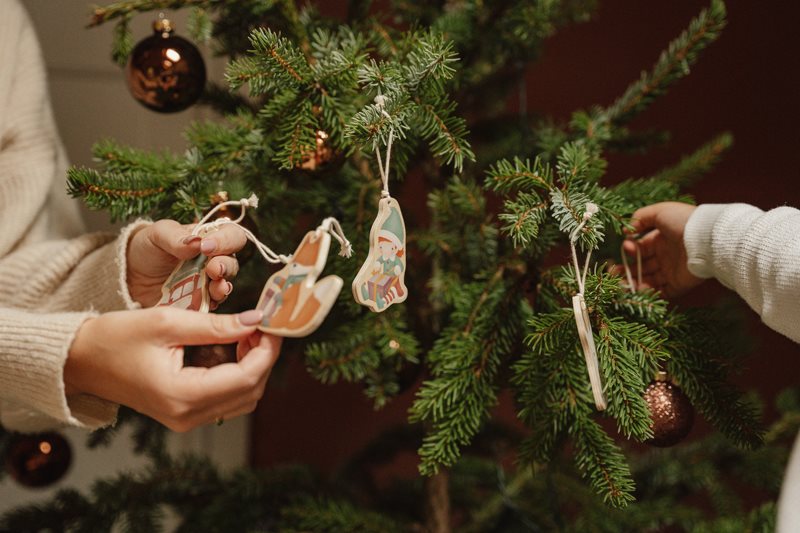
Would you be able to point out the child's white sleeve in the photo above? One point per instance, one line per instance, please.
(753, 252)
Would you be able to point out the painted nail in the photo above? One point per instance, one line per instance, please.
(190, 238)
(251, 318)
(228, 288)
(208, 245)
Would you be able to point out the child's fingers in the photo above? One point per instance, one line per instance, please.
(645, 218)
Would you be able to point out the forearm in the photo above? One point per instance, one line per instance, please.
(88, 272)
(753, 252)
(33, 351)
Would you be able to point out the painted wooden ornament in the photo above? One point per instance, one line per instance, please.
(293, 301)
(187, 286)
(381, 280)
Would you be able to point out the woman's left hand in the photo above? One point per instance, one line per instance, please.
(155, 250)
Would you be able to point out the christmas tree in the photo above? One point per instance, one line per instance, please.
(312, 105)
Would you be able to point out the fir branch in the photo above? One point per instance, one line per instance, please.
(319, 514)
(446, 133)
(200, 26)
(690, 167)
(126, 8)
(697, 351)
(121, 42)
(464, 362)
(567, 209)
(672, 65)
(601, 461)
(123, 195)
(507, 176)
(523, 217)
(626, 351)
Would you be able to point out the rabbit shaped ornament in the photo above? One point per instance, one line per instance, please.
(294, 303)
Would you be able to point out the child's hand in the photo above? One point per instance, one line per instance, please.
(663, 252)
(135, 358)
(154, 251)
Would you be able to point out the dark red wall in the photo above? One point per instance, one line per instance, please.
(746, 83)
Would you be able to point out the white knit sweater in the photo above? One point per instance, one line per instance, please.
(757, 254)
(49, 287)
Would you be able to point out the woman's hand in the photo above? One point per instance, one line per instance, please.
(155, 250)
(135, 358)
(663, 251)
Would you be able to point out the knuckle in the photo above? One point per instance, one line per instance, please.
(220, 325)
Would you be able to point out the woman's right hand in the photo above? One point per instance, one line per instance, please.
(135, 358)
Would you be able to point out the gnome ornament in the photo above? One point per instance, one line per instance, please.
(381, 280)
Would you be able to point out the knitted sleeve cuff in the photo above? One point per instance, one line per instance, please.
(33, 350)
(101, 276)
(697, 238)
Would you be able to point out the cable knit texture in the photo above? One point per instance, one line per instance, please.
(757, 254)
(51, 284)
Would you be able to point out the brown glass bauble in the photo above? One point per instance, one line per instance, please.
(671, 412)
(166, 73)
(38, 460)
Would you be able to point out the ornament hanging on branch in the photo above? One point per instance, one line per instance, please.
(582, 319)
(166, 73)
(293, 301)
(671, 412)
(381, 280)
(38, 460)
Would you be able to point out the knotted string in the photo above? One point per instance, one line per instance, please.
(383, 167)
(581, 312)
(330, 225)
(204, 226)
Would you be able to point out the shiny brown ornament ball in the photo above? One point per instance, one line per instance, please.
(166, 73)
(671, 412)
(38, 460)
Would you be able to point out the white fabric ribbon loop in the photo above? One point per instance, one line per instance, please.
(582, 319)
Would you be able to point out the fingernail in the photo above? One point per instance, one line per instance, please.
(222, 270)
(228, 288)
(190, 238)
(251, 318)
(208, 245)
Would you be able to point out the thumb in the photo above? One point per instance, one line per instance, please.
(644, 219)
(181, 327)
(175, 239)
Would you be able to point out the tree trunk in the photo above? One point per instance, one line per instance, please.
(438, 503)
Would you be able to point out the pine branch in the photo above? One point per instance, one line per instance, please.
(691, 167)
(672, 65)
(123, 195)
(602, 463)
(506, 176)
